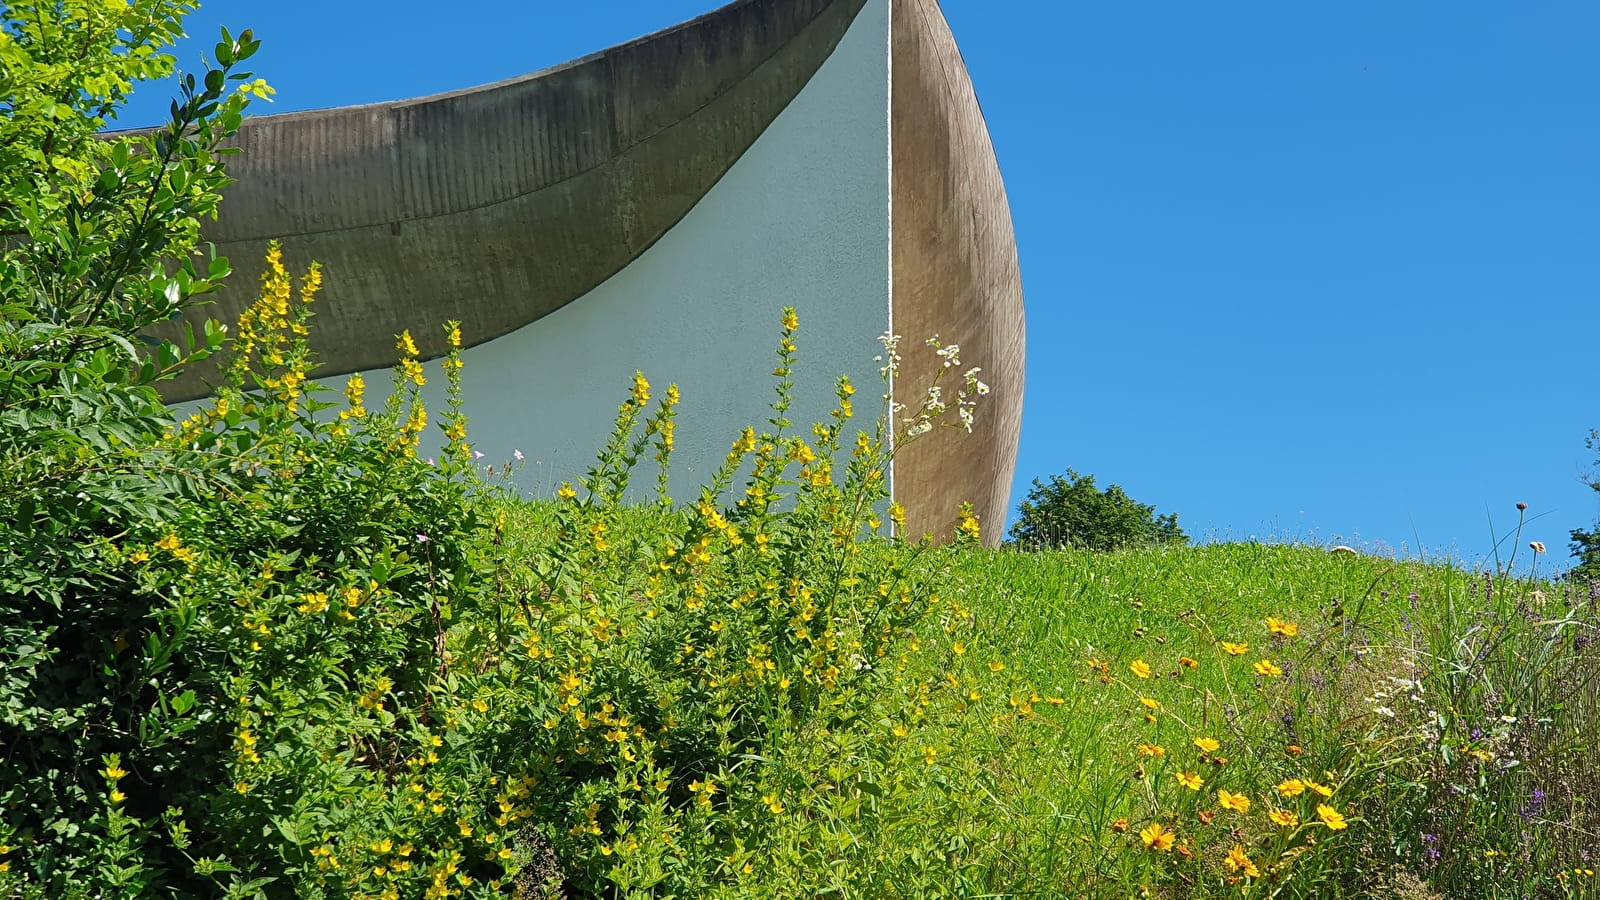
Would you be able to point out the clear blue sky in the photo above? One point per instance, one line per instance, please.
(1291, 271)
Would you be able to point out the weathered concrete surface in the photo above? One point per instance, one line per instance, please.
(503, 204)
(499, 204)
(955, 275)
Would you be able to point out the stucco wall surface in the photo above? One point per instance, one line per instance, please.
(800, 219)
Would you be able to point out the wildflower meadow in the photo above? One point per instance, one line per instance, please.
(342, 670)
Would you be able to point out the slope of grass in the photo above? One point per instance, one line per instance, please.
(1405, 731)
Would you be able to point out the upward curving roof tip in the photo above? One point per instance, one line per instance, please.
(526, 193)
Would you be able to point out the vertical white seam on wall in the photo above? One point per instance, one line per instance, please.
(888, 115)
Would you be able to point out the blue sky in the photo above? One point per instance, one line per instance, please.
(1290, 271)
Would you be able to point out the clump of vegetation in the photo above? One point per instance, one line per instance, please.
(1071, 512)
(1586, 542)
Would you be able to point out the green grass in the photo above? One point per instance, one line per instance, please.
(1050, 803)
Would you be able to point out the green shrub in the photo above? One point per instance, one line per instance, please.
(1071, 512)
(319, 670)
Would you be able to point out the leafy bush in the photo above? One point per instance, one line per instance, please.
(1071, 512)
(317, 670)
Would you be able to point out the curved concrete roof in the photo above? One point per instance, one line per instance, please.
(504, 202)
(500, 204)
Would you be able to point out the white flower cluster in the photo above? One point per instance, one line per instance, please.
(934, 404)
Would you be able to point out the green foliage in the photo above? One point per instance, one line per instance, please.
(1586, 544)
(97, 240)
(1071, 512)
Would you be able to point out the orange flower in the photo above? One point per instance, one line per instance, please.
(1188, 662)
(1294, 749)
(1120, 826)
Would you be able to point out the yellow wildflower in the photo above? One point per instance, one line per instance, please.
(1283, 817)
(1278, 626)
(1331, 817)
(1140, 668)
(1238, 861)
(1152, 750)
(1229, 800)
(1267, 669)
(1190, 780)
(1157, 837)
(1235, 649)
(1294, 787)
(1207, 745)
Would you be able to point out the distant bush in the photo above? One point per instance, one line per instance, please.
(1586, 543)
(1071, 512)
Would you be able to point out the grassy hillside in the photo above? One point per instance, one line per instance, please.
(1452, 713)
(1296, 722)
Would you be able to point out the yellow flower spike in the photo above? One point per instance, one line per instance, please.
(641, 389)
(1139, 668)
(1157, 837)
(452, 334)
(405, 344)
(791, 321)
(968, 525)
